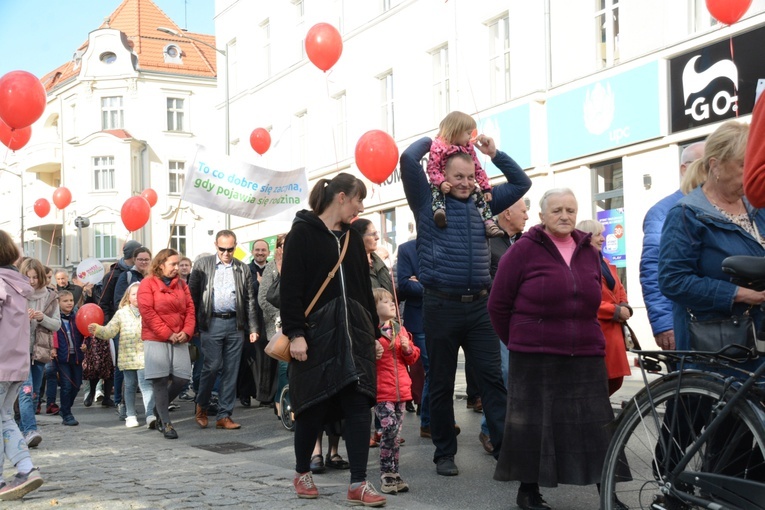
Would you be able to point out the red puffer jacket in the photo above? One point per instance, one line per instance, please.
(165, 309)
(393, 382)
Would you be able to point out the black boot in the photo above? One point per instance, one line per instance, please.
(529, 497)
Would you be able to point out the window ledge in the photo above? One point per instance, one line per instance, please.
(185, 134)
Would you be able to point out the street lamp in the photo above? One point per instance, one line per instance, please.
(226, 109)
(21, 181)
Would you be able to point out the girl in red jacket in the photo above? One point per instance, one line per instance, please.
(395, 351)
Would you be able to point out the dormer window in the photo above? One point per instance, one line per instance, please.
(108, 57)
(172, 54)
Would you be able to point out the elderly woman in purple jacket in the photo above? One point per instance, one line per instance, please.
(544, 305)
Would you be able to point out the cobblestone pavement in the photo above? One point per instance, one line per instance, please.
(101, 464)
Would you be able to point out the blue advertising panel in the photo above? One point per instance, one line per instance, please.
(613, 112)
(511, 132)
(615, 246)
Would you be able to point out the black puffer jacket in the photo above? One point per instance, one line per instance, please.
(341, 329)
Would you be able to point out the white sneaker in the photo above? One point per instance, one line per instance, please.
(33, 438)
(151, 421)
(131, 422)
(99, 395)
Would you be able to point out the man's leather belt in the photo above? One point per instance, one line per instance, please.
(226, 315)
(463, 298)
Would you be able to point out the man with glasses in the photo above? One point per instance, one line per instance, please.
(221, 287)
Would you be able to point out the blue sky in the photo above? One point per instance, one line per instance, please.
(40, 35)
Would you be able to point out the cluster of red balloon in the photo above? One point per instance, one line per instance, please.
(728, 11)
(136, 210)
(62, 197)
(22, 102)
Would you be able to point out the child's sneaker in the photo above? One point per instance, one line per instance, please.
(33, 438)
(492, 230)
(439, 217)
(364, 494)
(388, 483)
(131, 422)
(20, 485)
(304, 486)
(401, 485)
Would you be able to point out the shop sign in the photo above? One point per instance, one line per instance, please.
(615, 246)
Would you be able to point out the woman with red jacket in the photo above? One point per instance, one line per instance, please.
(167, 313)
(613, 312)
(395, 351)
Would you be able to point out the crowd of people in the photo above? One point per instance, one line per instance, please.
(541, 316)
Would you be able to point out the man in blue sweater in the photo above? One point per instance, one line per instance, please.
(454, 271)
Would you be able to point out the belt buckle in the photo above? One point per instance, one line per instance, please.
(467, 298)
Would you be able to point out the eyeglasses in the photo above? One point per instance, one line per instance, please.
(372, 234)
(143, 260)
(226, 250)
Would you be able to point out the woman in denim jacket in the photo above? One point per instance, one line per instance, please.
(712, 222)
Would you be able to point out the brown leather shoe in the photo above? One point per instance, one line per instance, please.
(227, 423)
(201, 417)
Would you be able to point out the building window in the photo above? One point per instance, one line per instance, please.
(264, 34)
(177, 177)
(105, 241)
(700, 19)
(175, 114)
(172, 54)
(388, 234)
(387, 118)
(384, 5)
(499, 59)
(103, 173)
(300, 127)
(440, 58)
(341, 125)
(178, 238)
(607, 32)
(112, 113)
(300, 25)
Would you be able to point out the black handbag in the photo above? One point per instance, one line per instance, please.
(714, 334)
(272, 294)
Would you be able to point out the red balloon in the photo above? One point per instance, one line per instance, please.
(323, 45)
(14, 139)
(88, 314)
(62, 197)
(376, 155)
(135, 213)
(150, 195)
(260, 139)
(22, 99)
(728, 11)
(42, 207)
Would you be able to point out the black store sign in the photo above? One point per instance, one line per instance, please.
(707, 86)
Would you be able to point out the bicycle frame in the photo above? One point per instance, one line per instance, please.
(726, 488)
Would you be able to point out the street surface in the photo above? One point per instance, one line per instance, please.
(101, 464)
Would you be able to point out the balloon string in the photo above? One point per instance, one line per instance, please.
(735, 85)
(175, 219)
(50, 247)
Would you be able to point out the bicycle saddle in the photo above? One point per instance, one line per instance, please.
(746, 270)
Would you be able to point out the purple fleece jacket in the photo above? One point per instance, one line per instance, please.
(538, 304)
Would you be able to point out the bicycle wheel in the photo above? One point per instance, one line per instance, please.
(650, 440)
(286, 409)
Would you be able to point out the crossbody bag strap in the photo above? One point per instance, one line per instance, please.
(330, 275)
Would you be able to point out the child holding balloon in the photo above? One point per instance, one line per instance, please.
(456, 134)
(127, 324)
(68, 356)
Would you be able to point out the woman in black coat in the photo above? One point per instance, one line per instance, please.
(333, 372)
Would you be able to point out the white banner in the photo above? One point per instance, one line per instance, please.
(224, 184)
(90, 271)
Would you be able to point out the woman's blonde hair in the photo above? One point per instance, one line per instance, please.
(125, 301)
(36, 266)
(454, 124)
(592, 226)
(726, 143)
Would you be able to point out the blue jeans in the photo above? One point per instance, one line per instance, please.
(133, 379)
(71, 380)
(505, 354)
(448, 326)
(28, 397)
(222, 347)
(419, 341)
(51, 385)
(118, 377)
(14, 446)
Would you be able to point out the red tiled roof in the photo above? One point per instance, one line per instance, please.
(119, 133)
(138, 20)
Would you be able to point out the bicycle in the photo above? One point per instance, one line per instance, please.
(694, 438)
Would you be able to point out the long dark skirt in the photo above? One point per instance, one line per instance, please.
(556, 429)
